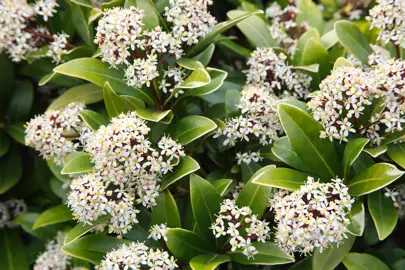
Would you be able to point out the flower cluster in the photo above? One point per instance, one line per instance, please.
(127, 171)
(137, 256)
(377, 57)
(53, 257)
(397, 195)
(389, 17)
(9, 210)
(56, 133)
(20, 32)
(57, 48)
(123, 41)
(158, 232)
(352, 9)
(316, 215)
(284, 26)
(230, 221)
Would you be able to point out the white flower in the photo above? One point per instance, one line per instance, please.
(158, 232)
(57, 48)
(397, 196)
(9, 210)
(53, 257)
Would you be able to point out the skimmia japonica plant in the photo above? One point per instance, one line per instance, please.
(202, 134)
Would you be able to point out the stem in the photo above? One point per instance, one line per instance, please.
(68, 136)
(158, 106)
(398, 50)
(371, 124)
(45, 36)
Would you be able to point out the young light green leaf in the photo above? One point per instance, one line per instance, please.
(269, 253)
(374, 178)
(314, 68)
(342, 62)
(397, 153)
(57, 214)
(280, 178)
(185, 244)
(319, 155)
(11, 169)
(329, 39)
(189, 63)
(205, 56)
(362, 261)
(81, 229)
(191, 128)
(283, 150)
(353, 40)
(166, 211)
(376, 151)
(113, 102)
(217, 79)
(352, 151)
(93, 120)
(223, 186)
(208, 261)
(94, 14)
(186, 166)
(79, 20)
(151, 115)
(310, 13)
(12, 255)
(315, 53)
(85, 93)
(79, 164)
(357, 219)
(383, 212)
(302, 41)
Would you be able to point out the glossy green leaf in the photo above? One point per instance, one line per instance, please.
(208, 261)
(151, 115)
(79, 20)
(191, 128)
(254, 28)
(189, 63)
(113, 102)
(94, 14)
(56, 169)
(84, 3)
(310, 13)
(383, 212)
(27, 220)
(11, 170)
(342, 62)
(218, 29)
(166, 211)
(352, 151)
(223, 186)
(332, 256)
(20, 105)
(329, 39)
(254, 196)
(92, 248)
(69, 157)
(185, 244)
(186, 166)
(205, 202)
(205, 56)
(302, 130)
(269, 253)
(13, 254)
(315, 53)
(302, 41)
(280, 178)
(283, 150)
(397, 153)
(374, 178)
(81, 229)
(353, 40)
(93, 120)
(16, 131)
(133, 103)
(151, 19)
(314, 68)
(376, 151)
(357, 219)
(85, 93)
(97, 72)
(57, 214)
(79, 164)
(392, 137)
(217, 79)
(362, 261)
(4, 143)
(198, 78)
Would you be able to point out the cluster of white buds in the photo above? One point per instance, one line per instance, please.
(377, 57)
(53, 257)
(284, 26)
(137, 256)
(9, 210)
(20, 32)
(158, 232)
(316, 215)
(56, 133)
(123, 41)
(352, 9)
(389, 17)
(230, 221)
(57, 48)
(397, 195)
(128, 170)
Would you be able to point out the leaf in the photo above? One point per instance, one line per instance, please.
(13, 254)
(4, 143)
(217, 79)
(342, 62)
(383, 212)
(205, 56)
(79, 20)
(57, 214)
(331, 257)
(283, 150)
(397, 153)
(151, 19)
(79, 164)
(208, 261)
(303, 131)
(93, 120)
(20, 105)
(189, 63)
(232, 99)
(85, 93)
(254, 196)
(392, 137)
(113, 102)
(166, 211)
(93, 248)
(353, 40)
(352, 151)
(186, 166)
(374, 178)
(310, 13)
(357, 219)
(133, 103)
(10, 170)
(362, 261)
(314, 68)
(97, 72)
(205, 202)
(84, 3)
(185, 244)
(94, 14)
(191, 128)
(254, 28)
(302, 41)
(269, 253)
(197, 78)
(376, 151)
(81, 229)
(329, 39)
(16, 131)
(151, 115)
(218, 29)
(27, 220)
(280, 178)
(222, 186)
(315, 53)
